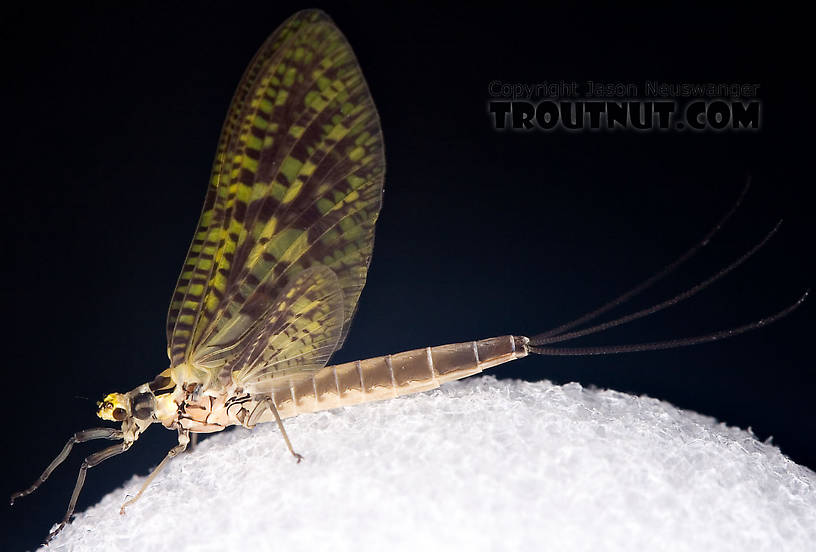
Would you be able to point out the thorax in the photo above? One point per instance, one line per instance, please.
(200, 410)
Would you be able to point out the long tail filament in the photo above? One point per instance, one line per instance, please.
(537, 343)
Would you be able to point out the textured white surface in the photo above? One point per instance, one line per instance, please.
(482, 464)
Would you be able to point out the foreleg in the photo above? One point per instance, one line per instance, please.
(90, 462)
(78, 437)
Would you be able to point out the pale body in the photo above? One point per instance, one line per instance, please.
(280, 256)
(361, 381)
(192, 407)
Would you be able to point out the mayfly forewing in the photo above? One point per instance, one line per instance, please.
(213, 214)
(297, 182)
(293, 335)
(282, 248)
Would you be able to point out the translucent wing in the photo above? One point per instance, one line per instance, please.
(296, 335)
(296, 183)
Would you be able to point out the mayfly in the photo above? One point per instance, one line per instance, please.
(279, 259)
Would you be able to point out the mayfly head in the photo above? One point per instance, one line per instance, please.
(115, 407)
(136, 410)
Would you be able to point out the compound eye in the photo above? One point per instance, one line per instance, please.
(119, 414)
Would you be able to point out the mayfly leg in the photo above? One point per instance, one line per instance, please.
(90, 462)
(184, 440)
(256, 413)
(78, 437)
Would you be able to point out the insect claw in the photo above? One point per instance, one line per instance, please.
(53, 534)
(299, 457)
(122, 507)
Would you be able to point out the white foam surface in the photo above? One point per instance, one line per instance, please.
(477, 465)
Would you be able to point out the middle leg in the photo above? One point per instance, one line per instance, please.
(184, 439)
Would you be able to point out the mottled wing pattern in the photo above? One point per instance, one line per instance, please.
(297, 183)
(296, 335)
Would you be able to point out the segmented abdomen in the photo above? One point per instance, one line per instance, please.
(389, 376)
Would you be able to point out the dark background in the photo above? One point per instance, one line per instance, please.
(111, 118)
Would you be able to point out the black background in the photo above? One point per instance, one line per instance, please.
(111, 119)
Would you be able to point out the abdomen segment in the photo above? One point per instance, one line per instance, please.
(403, 373)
